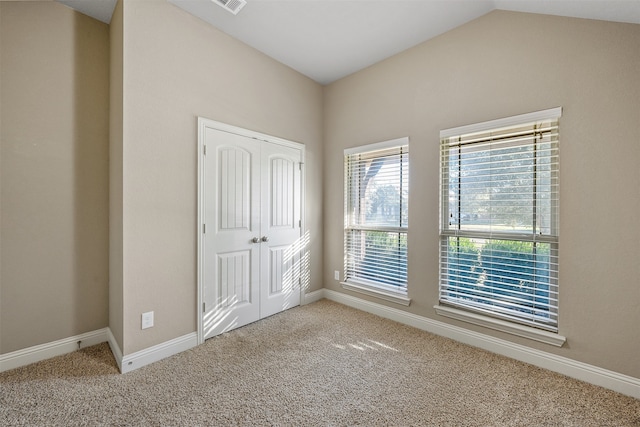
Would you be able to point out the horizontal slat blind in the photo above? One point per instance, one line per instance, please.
(376, 216)
(499, 222)
(374, 256)
(510, 279)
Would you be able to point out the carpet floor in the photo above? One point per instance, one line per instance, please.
(322, 364)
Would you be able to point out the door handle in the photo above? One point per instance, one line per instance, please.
(265, 239)
(255, 240)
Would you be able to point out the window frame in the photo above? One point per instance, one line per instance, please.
(397, 294)
(468, 312)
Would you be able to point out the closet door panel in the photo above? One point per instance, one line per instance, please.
(231, 258)
(281, 198)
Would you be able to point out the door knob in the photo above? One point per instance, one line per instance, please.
(255, 240)
(265, 239)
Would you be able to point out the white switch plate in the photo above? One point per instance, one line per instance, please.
(336, 275)
(147, 320)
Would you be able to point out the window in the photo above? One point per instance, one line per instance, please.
(376, 217)
(499, 219)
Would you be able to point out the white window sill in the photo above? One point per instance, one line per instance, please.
(387, 295)
(501, 325)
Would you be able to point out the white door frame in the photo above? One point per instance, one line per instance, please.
(203, 124)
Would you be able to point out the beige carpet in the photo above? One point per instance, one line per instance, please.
(323, 364)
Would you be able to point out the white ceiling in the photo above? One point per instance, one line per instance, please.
(329, 39)
(102, 10)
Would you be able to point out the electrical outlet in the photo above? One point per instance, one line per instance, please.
(147, 320)
(336, 275)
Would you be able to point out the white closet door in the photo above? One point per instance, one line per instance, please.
(280, 261)
(252, 213)
(232, 218)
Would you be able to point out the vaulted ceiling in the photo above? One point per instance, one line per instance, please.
(329, 39)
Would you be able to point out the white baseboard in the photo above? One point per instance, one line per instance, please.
(620, 383)
(313, 296)
(45, 351)
(115, 348)
(156, 353)
(582, 371)
(126, 363)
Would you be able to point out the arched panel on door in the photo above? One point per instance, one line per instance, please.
(234, 188)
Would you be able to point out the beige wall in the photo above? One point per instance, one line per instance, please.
(116, 120)
(501, 65)
(54, 85)
(176, 68)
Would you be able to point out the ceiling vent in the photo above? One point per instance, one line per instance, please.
(232, 6)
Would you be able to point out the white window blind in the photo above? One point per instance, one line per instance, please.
(376, 214)
(499, 219)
